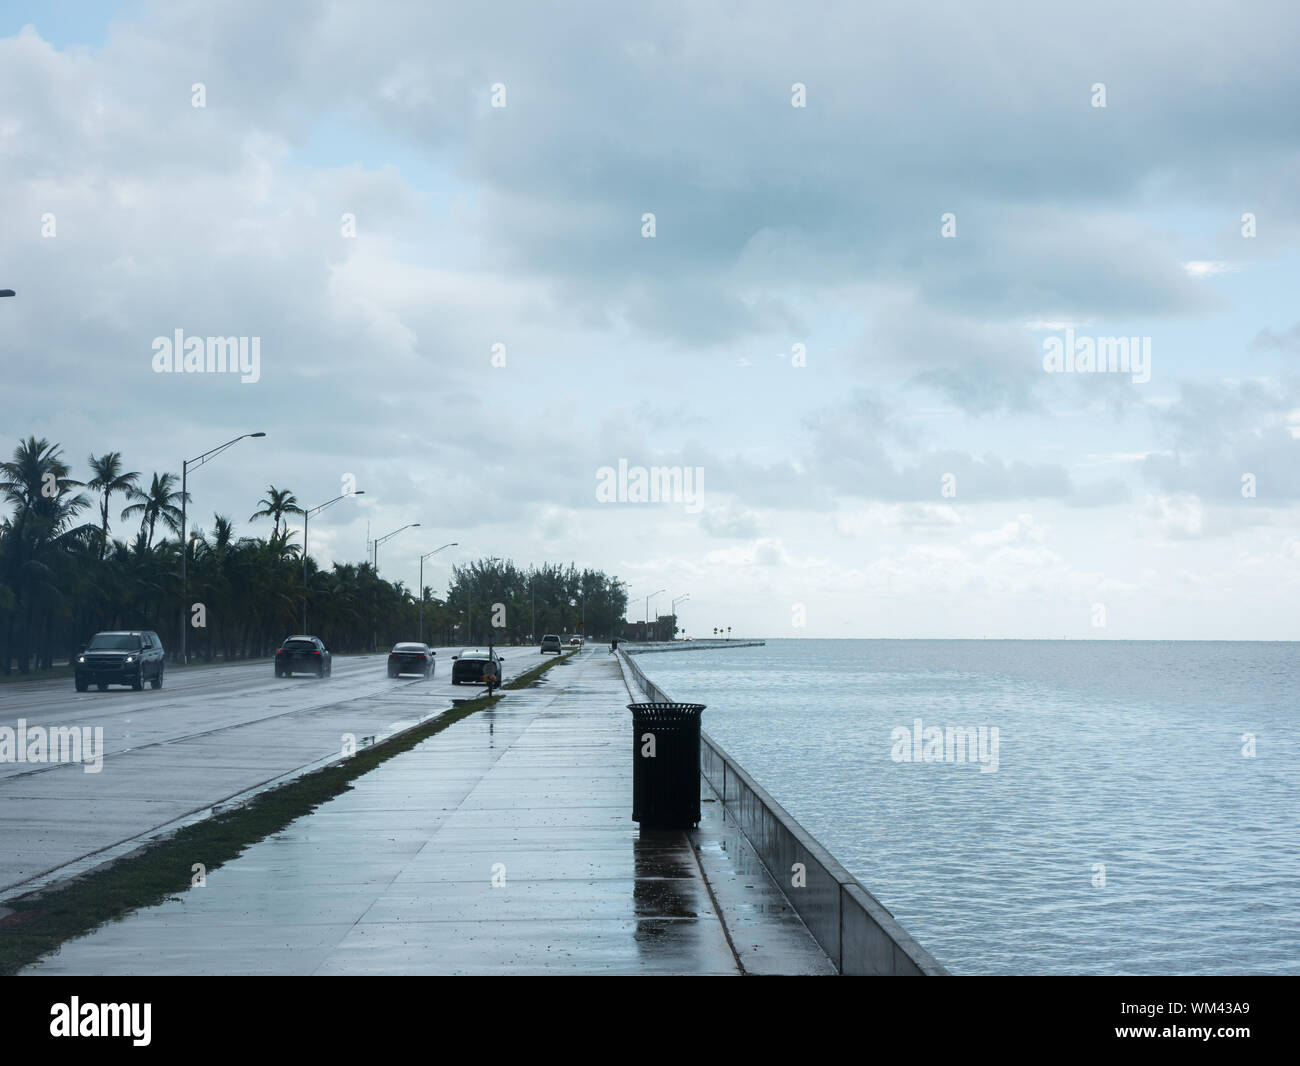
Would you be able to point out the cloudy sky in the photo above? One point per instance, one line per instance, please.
(869, 224)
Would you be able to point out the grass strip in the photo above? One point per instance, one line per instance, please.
(529, 677)
(45, 919)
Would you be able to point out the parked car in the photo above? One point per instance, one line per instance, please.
(303, 655)
(411, 658)
(551, 642)
(471, 664)
(121, 657)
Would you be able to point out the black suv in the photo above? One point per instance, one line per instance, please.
(303, 655)
(123, 657)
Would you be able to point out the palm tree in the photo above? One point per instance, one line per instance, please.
(109, 479)
(39, 549)
(223, 533)
(36, 474)
(211, 570)
(278, 504)
(161, 501)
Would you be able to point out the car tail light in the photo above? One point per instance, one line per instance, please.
(317, 654)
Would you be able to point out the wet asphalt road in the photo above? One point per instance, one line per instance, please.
(209, 734)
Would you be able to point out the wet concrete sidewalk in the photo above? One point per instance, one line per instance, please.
(504, 844)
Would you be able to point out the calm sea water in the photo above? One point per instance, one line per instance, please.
(1127, 755)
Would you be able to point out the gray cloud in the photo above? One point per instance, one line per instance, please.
(1223, 431)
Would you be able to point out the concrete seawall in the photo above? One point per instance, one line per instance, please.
(854, 928)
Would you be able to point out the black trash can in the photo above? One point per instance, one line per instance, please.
(666, 764)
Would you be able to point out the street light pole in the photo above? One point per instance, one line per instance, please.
(683, 596)
(374, 635)
(306, 515)
(185, 499)
(647, 608)
(412, 525)
(435, 551)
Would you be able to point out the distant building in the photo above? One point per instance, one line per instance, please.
(662, 628)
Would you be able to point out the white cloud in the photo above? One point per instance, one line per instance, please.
(1204, 268)
(1023, 529)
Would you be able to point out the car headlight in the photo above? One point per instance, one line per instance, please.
(130, 659)
(81, 658)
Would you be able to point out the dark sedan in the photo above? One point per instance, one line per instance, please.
(470, 665)
(302, 655)
(129, 657)
(411, 659)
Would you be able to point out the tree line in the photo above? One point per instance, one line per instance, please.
(64, 576)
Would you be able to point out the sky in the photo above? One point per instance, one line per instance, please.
(809, 260)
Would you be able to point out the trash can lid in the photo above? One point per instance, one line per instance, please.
(665, 709)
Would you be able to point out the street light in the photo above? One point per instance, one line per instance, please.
(306, 515)
(435, 551)
(390, 536)
(683, 596)
(185, 497)
(647, 608)
(374, 638)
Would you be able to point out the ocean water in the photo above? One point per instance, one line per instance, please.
(1114, 757)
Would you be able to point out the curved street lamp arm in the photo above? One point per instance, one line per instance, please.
(200, 460)
(320, 507)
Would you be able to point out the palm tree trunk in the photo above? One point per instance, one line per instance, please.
(103, 529)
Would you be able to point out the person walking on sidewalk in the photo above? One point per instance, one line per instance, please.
(613, 646)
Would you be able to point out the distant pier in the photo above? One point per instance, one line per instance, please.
(645, 646)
